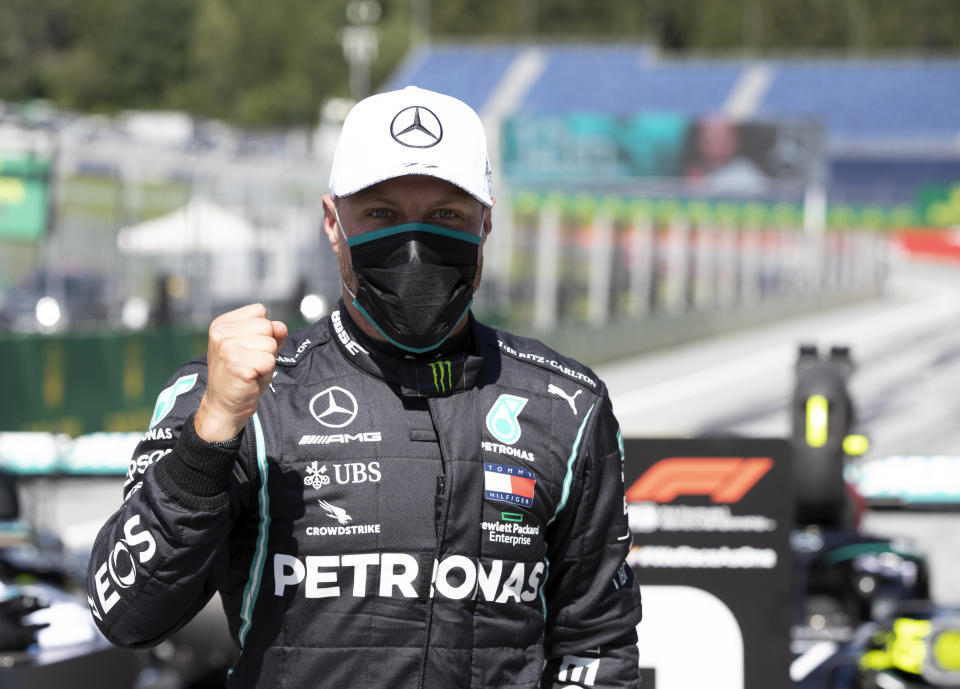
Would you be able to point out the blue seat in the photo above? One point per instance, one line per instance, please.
(854, 99)
(623, 80)
(858, 99)
(469, 73)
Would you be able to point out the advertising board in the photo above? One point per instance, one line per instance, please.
(711, 523)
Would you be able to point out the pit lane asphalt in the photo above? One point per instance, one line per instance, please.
(906, 389)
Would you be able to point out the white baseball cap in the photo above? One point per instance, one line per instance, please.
(412, 132)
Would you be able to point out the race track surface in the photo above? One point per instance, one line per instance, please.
(906, 388)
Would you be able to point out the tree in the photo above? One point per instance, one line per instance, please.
(273, 63)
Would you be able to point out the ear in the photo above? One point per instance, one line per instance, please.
(330, 224)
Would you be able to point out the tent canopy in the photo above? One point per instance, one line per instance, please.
(200, 226)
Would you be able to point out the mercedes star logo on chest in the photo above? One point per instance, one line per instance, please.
(334, 407)
(416, 127)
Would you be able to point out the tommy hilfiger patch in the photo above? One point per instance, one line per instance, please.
(508, 484)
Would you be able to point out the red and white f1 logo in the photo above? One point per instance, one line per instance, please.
(724, 479)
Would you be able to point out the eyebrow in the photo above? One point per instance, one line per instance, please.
(376, 197)
(373, 197)
(453, 200)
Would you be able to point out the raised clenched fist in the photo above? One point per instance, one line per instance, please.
(241, 355)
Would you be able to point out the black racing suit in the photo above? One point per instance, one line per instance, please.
(386, 522)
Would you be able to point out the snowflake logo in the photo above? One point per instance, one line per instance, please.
(316, 477)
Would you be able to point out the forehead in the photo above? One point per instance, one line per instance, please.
(422, 187)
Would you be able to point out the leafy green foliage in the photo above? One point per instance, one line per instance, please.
(273, 63)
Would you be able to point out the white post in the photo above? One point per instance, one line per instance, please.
(725, 266)
(499, 252)
(641, 265)
(749, 264)
(601, 253)
(705, 264)
(548, 256)
(815, 209)
(678, 263)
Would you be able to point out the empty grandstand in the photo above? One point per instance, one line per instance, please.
(890, 124)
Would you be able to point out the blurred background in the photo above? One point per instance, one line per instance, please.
(687, 191)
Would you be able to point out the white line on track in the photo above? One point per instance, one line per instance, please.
(811, 659)
(873, 330)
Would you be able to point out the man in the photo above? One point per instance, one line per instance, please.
(396, 496)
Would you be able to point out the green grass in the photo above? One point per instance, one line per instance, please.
(103, 198)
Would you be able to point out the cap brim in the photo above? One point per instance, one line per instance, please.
(357, 186)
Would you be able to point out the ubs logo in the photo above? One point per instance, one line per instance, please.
(334, 407)
(350, 472)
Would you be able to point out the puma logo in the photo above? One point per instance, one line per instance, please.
(554, 390)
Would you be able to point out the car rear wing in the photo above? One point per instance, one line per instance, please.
(37, 454)
(908, 482)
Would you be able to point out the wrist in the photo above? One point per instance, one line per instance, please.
(197, 473)
(214, 426)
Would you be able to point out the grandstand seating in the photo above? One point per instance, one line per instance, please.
(469, 73)
(855, 99)
(620, 80)
(864, 99)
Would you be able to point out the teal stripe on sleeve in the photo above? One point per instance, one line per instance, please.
(564, 496)
(252, 588)
(568, 479)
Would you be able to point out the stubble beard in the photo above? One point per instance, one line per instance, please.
(345, 265)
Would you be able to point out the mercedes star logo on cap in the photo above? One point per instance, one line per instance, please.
(334, 407)
(416, 127)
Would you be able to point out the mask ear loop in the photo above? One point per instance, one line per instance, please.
(343, 234)
(336, 214)
(483, 217)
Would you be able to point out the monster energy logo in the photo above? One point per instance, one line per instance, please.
(442, 375)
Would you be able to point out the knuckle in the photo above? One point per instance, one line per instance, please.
(266, 363)
(240, 370)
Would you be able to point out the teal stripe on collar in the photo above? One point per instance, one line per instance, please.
(412, 350)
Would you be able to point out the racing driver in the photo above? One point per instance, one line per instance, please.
(396, 496)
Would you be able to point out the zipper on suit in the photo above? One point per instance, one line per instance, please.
(438, 501)
(441, 503)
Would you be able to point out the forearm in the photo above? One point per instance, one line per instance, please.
(157, 560)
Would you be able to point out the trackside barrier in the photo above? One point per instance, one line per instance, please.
(597, 278)
(561, 266)
(77, 384)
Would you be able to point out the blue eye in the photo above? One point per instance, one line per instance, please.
(445, 214)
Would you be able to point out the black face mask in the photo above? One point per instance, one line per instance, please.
(415, 282)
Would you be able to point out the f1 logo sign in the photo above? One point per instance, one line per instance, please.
(724, 479)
